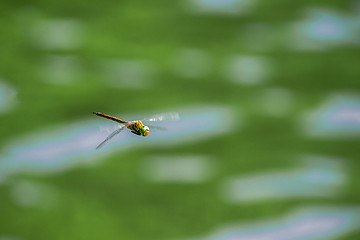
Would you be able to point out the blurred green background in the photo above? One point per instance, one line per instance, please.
(284, 74)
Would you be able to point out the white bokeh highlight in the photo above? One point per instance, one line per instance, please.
(182, 169)
(248, 70)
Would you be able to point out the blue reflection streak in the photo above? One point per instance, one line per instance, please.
(319, 177)
(222, 6)
(340, 116)
(326, 28)
(67, 146)
(316, 223)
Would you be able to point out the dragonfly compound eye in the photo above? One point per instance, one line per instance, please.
(145, 130)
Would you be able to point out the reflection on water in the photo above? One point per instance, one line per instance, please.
(58, 34)
(33, 194)
(66, 146)
(58, 69)
(192, 63)
(235, 7)
(321, 29)
(7, 96)
(117, 73)
(249, 70)
(339, 116)
(316, 223)
(319, 177)
(188, 169)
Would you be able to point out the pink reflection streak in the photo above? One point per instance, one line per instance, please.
(348, 115)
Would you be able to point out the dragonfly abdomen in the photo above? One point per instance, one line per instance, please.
(110, 117)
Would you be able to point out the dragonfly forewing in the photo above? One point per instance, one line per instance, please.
(169, 116)
(156, 127)
(113, 134)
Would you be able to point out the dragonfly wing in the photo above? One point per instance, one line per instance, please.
(113, 134)
(156, 127)
(169, 116)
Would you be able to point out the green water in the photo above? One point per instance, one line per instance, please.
(67, 59)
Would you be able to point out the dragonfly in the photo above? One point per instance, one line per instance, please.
(136, 126)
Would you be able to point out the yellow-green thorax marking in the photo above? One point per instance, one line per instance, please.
(139, 128)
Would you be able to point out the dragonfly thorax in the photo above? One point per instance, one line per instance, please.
(139, 128)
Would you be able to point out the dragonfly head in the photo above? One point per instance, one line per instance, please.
(144, 130)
